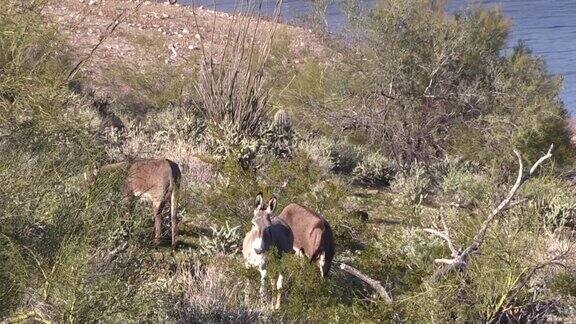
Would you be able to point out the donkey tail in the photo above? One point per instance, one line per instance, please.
(175, 186)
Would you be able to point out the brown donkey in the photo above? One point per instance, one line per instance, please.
(313, 235)
(267, 231)
(156, 180)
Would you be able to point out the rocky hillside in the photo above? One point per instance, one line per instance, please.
(139, 36)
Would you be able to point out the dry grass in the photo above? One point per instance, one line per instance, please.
(217, 293)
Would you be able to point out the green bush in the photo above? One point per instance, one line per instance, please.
(226, 240)
(413, 185)
(374, 169)
(554, 199)
(466, 188)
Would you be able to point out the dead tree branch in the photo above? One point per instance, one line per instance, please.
(459, 260)
(373, 283)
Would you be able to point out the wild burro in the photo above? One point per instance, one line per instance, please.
(295, 229)
(156, 180)
(313, 235)
(267, 231)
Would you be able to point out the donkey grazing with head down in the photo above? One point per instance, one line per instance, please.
(267, 231)
(157, 180)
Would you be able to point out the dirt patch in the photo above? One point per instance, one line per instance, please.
(151, 36)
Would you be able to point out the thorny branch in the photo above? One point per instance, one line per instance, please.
(459, 259)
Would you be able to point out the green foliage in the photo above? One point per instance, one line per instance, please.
(304, 289)
(554, 200)
(466, 187)
(416, 84)
(375, 169)
(413, 185)
(565, 284)
(225, 240)
(401, 257)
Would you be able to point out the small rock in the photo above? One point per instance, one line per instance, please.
(198, 37)
(92, 2)
(185, 31)
(165, 16)
(172, 49)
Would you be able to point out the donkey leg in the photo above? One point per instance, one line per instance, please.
(128, 202)
(262, 270)
(278, 291)
(321, 264)
(157, 216)
(173, 218)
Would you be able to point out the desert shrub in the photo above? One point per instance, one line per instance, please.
(183, 122)
(413, 185)
(57, 231)
(375, 169)
(217, 292)
(33, 102)
(417, 83)
(305, 296)
(226, 240)
(554, 199)
(311, 99)
(234, 94)
(318, 149)
(466, 188)
(400, 257)
(331, 155)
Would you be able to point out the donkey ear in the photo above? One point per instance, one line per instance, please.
(259, 202)
(272, 204)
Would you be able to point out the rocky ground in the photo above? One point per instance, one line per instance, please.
(143, 35)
